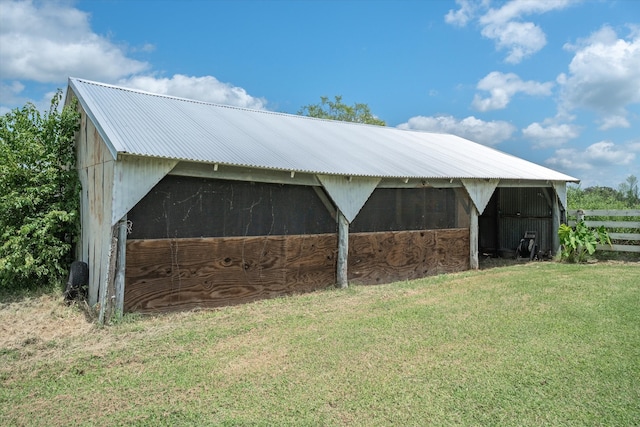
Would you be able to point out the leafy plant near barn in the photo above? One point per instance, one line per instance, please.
(39, 192)
(580, 241)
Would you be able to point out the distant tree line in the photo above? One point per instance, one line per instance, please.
(626, 196)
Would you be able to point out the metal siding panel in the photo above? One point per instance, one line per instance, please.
(160, 126)
(561, 191)
(521, 210)
(524, 202)
(349, 195)
(134, 177)
(513, 229)
(480, 192)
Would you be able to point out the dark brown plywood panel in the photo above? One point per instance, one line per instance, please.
(178, 274)
(452, 248)
(387, 257)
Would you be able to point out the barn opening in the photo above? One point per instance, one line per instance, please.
(513, 211)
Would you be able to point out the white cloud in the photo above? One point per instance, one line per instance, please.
(599, 155)
(463, 15)
(614, 121)
(515, 9)
(205, 88)
(502, 87)
(603, 76)
(487, 133)
(520, 39)
(549, 134)
(10, 91)
(504, 25)
(50, 41)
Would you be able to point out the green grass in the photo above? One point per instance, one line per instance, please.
(537, 344)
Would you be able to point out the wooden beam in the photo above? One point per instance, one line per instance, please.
(606, 212)
(237, 173)
(555, 225)
(343, 251)
(105, 285)
(121, 267)
(619, 248)
(326, 202)
(473, 238)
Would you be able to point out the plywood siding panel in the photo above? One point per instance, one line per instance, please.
(311, 261)
(387, 257)
(179, 274)
(452, 248)
(170, 274)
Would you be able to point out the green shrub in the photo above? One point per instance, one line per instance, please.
(580, 242)
(39, 195)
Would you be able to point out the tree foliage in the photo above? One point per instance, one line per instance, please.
(626, 197)
(337, 110)
(39, 192)
(630, 189)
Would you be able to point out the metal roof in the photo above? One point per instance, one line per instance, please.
(145, 124)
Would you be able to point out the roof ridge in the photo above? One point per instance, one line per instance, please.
(233, 107)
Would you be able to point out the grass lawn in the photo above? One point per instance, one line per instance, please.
(536, 344)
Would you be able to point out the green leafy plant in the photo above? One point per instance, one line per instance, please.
(338, 110)
(579, 242)
(39, 195)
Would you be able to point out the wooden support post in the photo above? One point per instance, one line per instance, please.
(343, 251)
(473, 238)
(555, 238)
(106, 304)
(120, 266)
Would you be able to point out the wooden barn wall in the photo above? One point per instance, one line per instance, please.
(95, 166)
(179, 274)
(376, 258)
(198, 242)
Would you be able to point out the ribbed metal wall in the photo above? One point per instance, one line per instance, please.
(521, 210)
(513, 229)
(524, 202)
(512, 212)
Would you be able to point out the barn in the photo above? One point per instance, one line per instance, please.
(187, 204)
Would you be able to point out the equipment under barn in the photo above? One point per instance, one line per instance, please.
(187, 204)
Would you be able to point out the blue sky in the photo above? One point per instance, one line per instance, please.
(556, 82)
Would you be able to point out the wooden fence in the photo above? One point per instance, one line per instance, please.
(623, 226)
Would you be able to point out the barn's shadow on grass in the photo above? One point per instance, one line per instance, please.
(487, 262)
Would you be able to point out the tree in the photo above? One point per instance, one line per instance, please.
(630, 189)
(39, 195)
(626, 197)
(337, 110)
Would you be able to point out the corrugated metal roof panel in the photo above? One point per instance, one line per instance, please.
(146, 124)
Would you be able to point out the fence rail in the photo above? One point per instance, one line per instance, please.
(623, 226)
